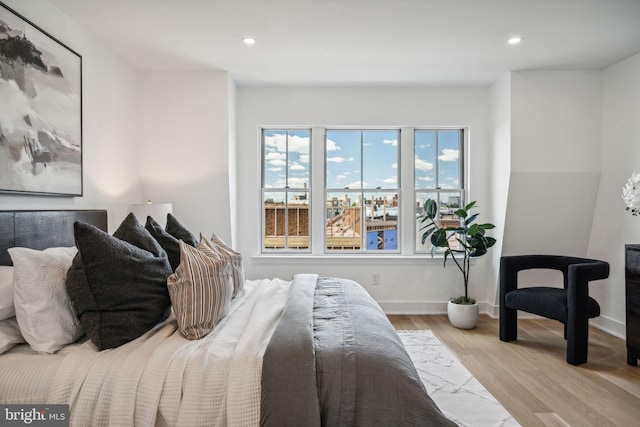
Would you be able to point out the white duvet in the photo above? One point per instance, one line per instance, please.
(162, 378)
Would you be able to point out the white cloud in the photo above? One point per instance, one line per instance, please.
(449, 155)
(392, 142)
(304, 158)
(394, 165)
(392, 180)
(276, 162)
(423, 165)
(425, 178)
(341, 176)
(295, 166)
(273, 155)
(338, 159)
(332, 146)
(278, 142)
(274, 169)
(356, 184)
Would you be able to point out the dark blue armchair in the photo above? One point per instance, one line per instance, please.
(570, 305)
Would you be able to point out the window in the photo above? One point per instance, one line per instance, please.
(285, 189)
(361, 188)
(359, 203)
(438, 175)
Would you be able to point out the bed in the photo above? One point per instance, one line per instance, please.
(306, 352)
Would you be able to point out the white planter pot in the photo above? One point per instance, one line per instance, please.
(463, 316)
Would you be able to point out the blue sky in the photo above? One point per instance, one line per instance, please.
(347, 150)
(287, 159)
(290, 170)
(448, 158)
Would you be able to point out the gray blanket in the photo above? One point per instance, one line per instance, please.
(336, 360)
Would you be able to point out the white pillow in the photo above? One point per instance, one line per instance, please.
(10, 335)
(44, 312)
(6, 292)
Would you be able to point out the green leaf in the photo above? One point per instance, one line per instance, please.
(461, 213)
(426, 234)
(471, 219)
(439, 239)
(490, 241)
(430, 208)
(470, 205)
(473, 230)
(478, 252)
(487, 226)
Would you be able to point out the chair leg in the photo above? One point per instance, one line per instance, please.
(508, 324)
(577, 341)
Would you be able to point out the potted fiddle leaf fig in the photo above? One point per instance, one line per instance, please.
(463, 241)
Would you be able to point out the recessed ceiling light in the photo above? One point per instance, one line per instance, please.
(249, 41)
(515, 40)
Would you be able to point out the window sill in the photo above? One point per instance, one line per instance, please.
(347, 259)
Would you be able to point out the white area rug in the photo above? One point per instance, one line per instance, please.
(458, 394)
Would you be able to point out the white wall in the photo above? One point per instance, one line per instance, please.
(184, 141)
(410, 285)
(500, 172)
(613, 227)
(555, 165)
(110, 116)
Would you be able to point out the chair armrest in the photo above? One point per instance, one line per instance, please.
(585, 272)
(573, 268)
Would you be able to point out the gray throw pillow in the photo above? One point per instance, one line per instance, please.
(119, 290)
(170, 244)
(180, 232)
(170, 238)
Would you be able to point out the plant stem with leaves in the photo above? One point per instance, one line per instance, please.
(471, 238)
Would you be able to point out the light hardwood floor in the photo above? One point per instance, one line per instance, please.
(531, 378)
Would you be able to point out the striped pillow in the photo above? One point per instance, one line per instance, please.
(200, 290)
(234, 258)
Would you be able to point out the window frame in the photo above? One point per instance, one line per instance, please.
(362, 191)
(408, 239)
(419, 248)
(286, 190)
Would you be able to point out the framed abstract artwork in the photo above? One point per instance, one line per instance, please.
(40, 111)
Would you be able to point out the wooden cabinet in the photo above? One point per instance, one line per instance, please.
(632, 292)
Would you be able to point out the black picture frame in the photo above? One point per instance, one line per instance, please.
(40, 111)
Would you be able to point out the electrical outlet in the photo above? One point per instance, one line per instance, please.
(375, 278)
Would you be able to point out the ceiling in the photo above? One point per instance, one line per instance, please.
(363, 42)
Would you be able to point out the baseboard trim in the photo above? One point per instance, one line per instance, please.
(421, 307)
(604, 323)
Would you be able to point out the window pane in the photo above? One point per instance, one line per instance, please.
(286, 220)
(286, 159)
(298, 220)
(343, 221)
(298, 159)
(275, 159)
(274, 220)
(343, 159)
(425, 159)
(449, 159)
(380, 159)
(381, 221)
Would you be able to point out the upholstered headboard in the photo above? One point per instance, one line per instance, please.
(43, 229)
